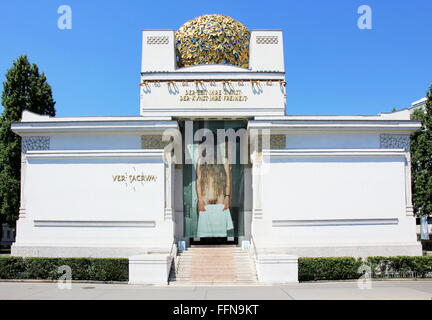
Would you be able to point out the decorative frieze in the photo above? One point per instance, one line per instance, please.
(157, 40)
(257, 214)
(277, 141)
(395, 141)
(267, 40)
(153, 142)
(35, 143)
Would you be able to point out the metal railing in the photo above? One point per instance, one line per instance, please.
(173, 255)
(254, 250)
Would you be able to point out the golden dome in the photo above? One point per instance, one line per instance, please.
(212, 39)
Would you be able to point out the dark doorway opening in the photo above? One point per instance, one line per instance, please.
(213, 241)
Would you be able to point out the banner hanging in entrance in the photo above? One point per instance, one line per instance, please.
(213, 193)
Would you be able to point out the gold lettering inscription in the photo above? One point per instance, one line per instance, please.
(119, 178)
(213, 95)
(134, 178)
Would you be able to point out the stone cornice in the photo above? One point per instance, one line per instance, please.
(82, 127)
(363, 124)
(93, 154)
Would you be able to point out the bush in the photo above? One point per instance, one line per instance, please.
(11, 267)
(339, 268)
(96, 269)
(309, 269)
(342, 268)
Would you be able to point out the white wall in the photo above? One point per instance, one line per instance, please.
(346, 140)
(74, 202)
(314, 202)
(95, 142)
(266, 51)
(158, 51)
(336, 188)
(84, 189)
(263, 98)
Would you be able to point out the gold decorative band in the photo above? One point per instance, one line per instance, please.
(213, 82)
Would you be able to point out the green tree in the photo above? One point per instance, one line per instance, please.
(24, 89)
(421, 152)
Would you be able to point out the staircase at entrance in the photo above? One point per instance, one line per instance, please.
(213, 263)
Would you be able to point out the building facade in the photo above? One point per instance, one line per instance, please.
(298, 186)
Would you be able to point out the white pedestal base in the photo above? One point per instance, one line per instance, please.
(149, 269)
(277, 268)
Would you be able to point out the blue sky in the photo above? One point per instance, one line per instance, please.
(332, 67)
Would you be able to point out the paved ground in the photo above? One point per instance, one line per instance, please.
(324, 290)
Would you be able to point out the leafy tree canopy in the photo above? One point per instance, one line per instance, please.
(421, 152)
(25, 88)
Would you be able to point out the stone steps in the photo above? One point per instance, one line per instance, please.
(213, 264)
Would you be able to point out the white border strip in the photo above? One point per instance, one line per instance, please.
(333, 222)
(67, 154)
(88, 223)
(334, 152)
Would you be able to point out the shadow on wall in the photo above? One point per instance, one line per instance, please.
(7, 236)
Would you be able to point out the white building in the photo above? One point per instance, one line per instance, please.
(419, 104)
(322, 186)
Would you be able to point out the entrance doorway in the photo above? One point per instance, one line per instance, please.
(214, 241)
(213, 191)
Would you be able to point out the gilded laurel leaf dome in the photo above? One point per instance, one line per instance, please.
(212, 39)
